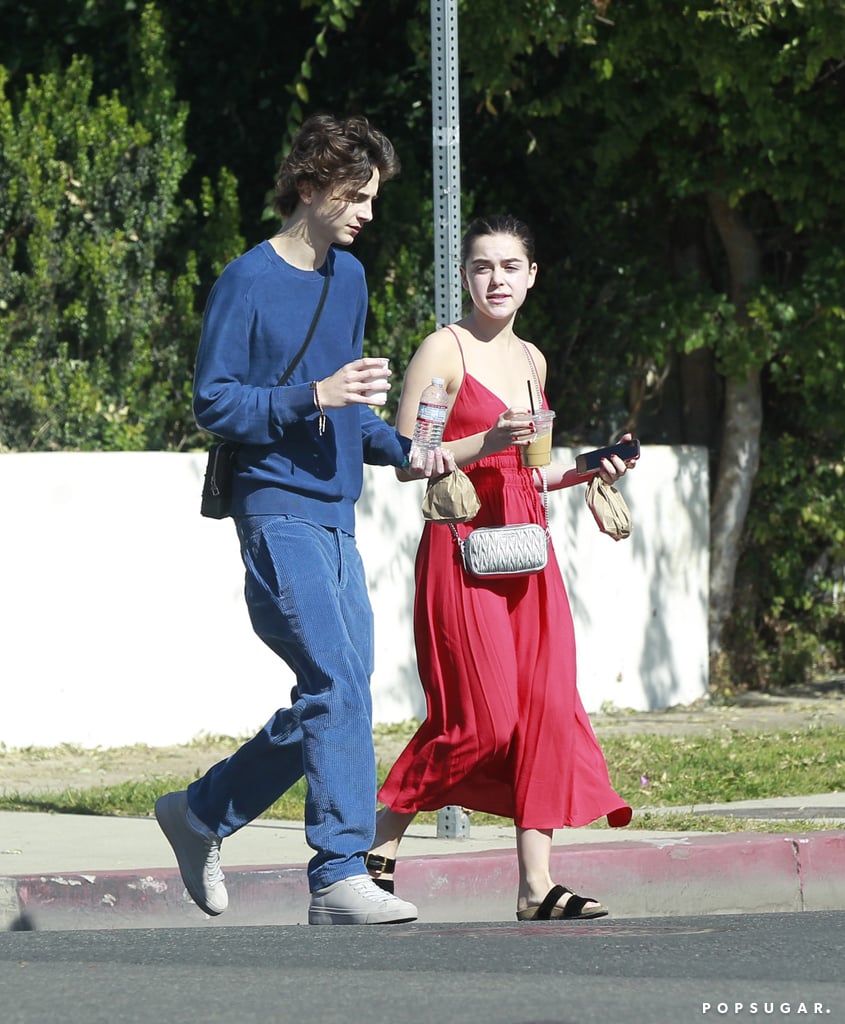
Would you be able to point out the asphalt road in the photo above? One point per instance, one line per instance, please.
(646, 971)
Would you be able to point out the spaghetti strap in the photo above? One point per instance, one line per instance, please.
(460, 346)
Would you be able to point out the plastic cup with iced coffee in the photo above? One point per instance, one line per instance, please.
(538, 451)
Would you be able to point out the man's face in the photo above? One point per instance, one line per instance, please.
(337, 218)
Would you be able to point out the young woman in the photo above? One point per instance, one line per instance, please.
(505, 730)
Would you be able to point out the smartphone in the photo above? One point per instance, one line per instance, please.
(589, 462)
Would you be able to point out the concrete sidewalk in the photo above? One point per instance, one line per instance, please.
(71, 871)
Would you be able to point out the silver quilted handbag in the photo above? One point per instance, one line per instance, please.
(495, 552)
(499, 552)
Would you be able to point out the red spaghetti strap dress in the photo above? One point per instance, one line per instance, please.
(505, 730)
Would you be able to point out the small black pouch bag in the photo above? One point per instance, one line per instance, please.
(217, 486)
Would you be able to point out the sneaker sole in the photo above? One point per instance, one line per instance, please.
(170, 819)
(341, 917)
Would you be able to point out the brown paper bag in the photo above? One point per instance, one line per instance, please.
(609, 508)
(450, 499)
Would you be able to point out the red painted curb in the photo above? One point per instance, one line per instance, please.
(710, 874)
(821, 857)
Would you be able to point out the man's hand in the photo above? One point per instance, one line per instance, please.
(361, 382)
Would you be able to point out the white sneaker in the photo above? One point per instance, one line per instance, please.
(197, 853)
(358, 900)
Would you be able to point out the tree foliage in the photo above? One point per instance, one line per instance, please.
(679, 162)
(704, 130)
(98, 311)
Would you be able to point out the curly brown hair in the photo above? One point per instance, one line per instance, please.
(328, 152)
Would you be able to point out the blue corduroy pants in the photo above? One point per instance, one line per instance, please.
(307, 598)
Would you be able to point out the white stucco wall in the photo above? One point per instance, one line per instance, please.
(122, 617)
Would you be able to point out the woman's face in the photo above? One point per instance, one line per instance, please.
(497, 275)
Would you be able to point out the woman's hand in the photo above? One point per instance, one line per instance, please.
(436, 463)
(614, 468)
(514, 426)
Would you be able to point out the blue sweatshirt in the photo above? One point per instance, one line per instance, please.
(255, 321)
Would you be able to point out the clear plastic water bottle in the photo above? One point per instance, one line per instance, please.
(431, 419)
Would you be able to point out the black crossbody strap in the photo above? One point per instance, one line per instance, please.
(314, 321)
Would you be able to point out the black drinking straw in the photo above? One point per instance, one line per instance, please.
(531, 397)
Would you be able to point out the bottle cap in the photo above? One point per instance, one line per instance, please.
(438, 380)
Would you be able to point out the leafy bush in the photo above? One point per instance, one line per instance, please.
(99, 316)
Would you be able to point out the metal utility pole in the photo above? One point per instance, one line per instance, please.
(446, 139)
(446, 144)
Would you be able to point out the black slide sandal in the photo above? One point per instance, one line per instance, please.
(573, 910)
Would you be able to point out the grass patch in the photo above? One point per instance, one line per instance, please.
(720, 767)
(134, 799)
(648, 772)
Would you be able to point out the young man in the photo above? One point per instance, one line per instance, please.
(299, 470)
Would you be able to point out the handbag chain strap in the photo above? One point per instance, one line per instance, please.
(539, 391)
(545, 495)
